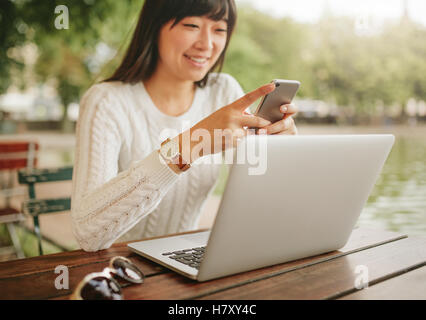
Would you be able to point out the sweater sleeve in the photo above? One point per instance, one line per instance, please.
(105, 203)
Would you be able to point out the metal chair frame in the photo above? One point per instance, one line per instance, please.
(35, 207)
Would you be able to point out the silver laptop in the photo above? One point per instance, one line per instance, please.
(305, 203)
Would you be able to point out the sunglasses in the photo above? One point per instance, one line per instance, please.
(106, 285)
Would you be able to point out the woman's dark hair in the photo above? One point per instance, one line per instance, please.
(141, 58)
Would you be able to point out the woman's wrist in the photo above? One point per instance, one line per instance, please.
(177, 161)
(186, 146)
(186, 149)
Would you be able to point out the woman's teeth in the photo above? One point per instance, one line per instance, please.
(197, 60)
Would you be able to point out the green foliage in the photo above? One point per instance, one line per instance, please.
(264, 48)
(11, 35)
(332, 61)
(63, 54)
(361, 70)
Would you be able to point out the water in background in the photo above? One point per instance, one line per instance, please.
(398, 200)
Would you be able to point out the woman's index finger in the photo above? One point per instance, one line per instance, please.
(251, 97)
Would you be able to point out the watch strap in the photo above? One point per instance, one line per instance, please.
(178, 159)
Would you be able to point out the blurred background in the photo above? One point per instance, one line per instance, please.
(362, 65)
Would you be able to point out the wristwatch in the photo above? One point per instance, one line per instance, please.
(170, 152)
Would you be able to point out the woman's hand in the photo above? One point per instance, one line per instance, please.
(286, 125)
(224, 127)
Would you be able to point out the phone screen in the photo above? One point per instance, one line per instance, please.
(269, 106)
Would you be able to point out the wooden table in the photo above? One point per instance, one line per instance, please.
(394, 265)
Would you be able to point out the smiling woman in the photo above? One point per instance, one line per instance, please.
(180, 57)
(132, 178)
(143, 54)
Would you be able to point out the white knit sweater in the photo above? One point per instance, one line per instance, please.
(121, 190)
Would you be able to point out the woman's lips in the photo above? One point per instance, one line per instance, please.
(197, 61)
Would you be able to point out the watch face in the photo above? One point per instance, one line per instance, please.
(170, 150)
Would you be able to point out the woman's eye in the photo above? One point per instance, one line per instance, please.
(190, 25)
(221, 30)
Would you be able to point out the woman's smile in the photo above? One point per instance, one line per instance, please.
(191, 47)
(197, 61)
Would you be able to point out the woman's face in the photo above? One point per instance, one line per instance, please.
(191, 48)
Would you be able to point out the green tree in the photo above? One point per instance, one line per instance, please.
(64, 55)
(332, 61)
(264, 48)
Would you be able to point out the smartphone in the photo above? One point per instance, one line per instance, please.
(269, 106)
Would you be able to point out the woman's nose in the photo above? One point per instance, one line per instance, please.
(205, 42)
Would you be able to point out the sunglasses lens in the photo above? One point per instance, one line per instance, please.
(101, 288)
(127, 270)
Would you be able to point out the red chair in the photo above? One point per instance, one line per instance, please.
(14, 155)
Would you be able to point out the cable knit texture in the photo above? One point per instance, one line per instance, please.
(121, 189)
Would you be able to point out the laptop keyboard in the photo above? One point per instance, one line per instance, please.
(191, 257)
